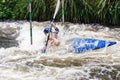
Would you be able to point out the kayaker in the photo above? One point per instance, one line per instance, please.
(53, 38)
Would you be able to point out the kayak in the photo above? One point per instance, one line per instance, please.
(79, 45)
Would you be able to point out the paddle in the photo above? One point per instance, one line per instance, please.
(56, 10)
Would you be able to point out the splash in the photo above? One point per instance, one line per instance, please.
(26, 62)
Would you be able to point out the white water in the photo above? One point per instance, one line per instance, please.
(26, 62)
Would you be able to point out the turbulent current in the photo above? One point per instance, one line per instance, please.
(19, 60)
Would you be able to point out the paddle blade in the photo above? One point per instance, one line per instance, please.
(57, 8)
(43, 51)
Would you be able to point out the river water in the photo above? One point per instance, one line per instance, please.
(19, 60)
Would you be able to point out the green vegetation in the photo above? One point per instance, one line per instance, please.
(82, 11)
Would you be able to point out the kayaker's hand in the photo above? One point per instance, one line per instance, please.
(44, 48)
(53, 24)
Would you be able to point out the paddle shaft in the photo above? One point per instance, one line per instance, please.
(44, 51)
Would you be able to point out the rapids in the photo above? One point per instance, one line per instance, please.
(19, 60)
